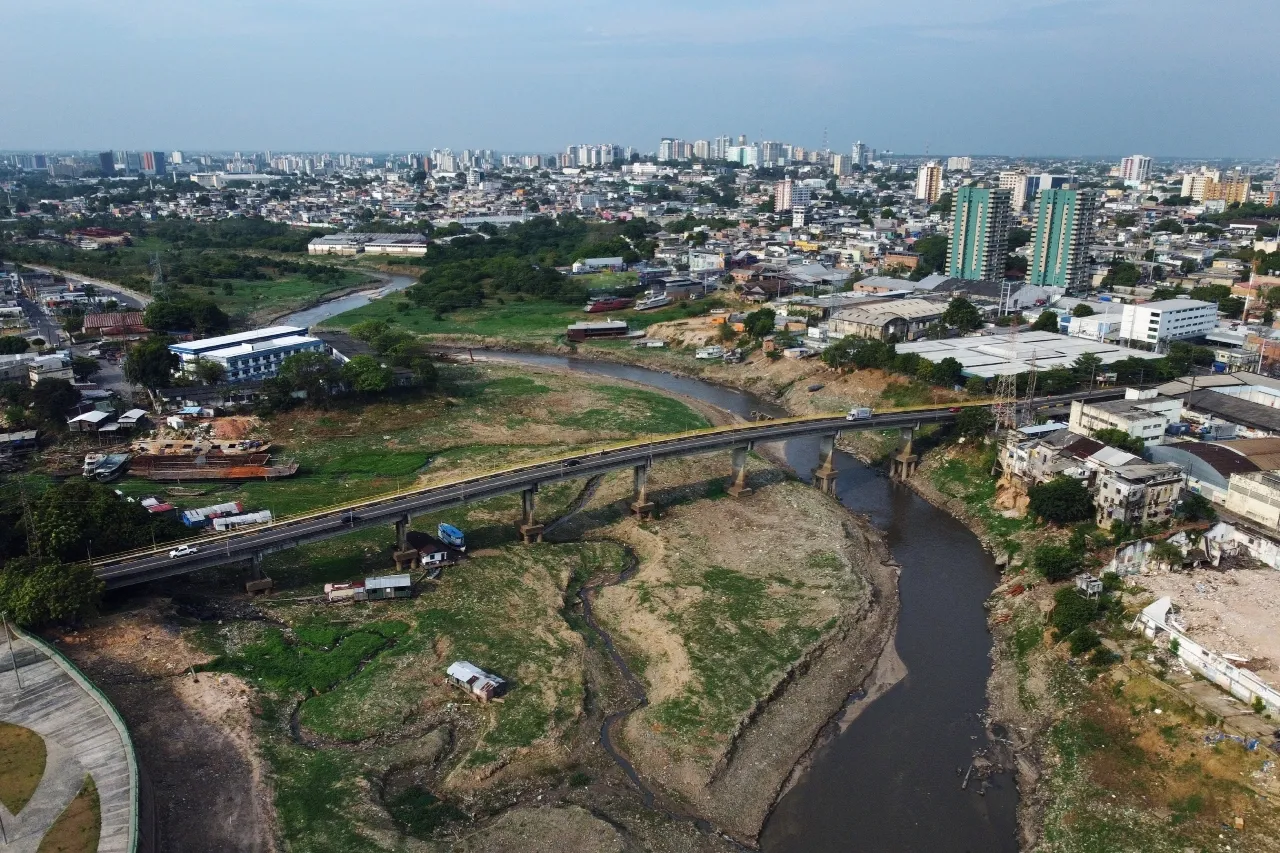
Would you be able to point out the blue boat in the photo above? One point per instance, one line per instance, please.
(452, 536)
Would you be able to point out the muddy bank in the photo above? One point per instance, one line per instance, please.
(193, 733)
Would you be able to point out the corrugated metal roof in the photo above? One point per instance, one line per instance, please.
(1235, 410)
(388, 582)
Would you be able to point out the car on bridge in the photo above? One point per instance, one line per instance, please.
(183, 551)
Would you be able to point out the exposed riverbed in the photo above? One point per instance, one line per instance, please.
(888, 778)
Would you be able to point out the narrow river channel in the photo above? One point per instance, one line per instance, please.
(888, 782)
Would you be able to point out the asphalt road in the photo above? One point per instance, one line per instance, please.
(248, 543)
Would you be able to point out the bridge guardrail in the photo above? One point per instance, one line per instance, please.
(632, 444)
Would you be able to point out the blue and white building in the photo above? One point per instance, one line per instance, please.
(247, 356)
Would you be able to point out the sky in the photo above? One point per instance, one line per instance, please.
(1026, 78)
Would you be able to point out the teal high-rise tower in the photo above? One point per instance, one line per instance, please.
(1060, 240)
(980, 233)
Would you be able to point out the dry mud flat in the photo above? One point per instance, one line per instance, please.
(749, 622)
(192, 735)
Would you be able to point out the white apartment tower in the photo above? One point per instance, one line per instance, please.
(929, 182)
(1135, 169)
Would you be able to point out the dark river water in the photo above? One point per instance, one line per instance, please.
(887, 783)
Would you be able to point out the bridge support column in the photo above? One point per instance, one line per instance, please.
(824, 476)
(904, 464)
(402, 533)
(738, 486)
(530, 529)
(256, 569)
(641, 506)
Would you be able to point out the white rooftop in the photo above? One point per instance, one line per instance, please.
(1001, 355)
(260, 346)
(208, 344)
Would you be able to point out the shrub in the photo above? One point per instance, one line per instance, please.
(1056, 562)
(1072, 611)
(1083, 640)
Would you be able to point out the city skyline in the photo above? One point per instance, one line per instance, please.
(1067, 78)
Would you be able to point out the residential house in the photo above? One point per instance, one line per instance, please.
(1136, 493)
(1141, 414)
(474, 680)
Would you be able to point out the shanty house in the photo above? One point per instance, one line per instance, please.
(387, 586)
(475, 680)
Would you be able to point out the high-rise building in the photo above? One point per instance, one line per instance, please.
(841, 165)
(980, 234)
(158, 165)
(1060, 239)
(1233, 188)
(959, 164)
(107, 163)
(666, 150)
(702, 149)
(929, 182)
(782, 193)
(771, 153)
(175, 158)
(861, 155)
(1021, 187)
(1135, 169)
(720, 148)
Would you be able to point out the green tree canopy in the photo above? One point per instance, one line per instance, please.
(947, 372)
(1046, 322)
(1082, 310)
(975, 421)
(1057, 562)
(50, 400)
(312, 372)
(367, 375)
(760, 323)
(1120, 440)
(1063, 500)
(14, 344)
(150, 363)
(962, 315)
(933, 252)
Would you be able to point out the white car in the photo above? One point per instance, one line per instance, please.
(183, 551)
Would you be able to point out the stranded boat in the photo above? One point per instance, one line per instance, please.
(653, 300)
(608, 303)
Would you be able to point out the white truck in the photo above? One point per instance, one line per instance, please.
(858, 413)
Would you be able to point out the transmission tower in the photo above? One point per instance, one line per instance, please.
(1031, 389)
(1005, 406)
(159, 289)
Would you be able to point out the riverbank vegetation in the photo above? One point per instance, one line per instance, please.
(1126, 758)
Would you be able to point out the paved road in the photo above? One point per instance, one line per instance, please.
(126, 297)
(220, 549)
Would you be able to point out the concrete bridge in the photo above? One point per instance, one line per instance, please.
(399, 509)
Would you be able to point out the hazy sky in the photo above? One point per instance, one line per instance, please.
(1035, 77)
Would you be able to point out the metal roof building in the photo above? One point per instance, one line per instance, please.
(1001, 355)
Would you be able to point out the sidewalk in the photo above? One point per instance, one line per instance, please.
(81, 738)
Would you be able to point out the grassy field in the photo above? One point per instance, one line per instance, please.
(520, 322)
(79, 827)
(268, 298)
(489, 417)
(22, 761)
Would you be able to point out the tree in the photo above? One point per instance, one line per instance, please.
(50, 400)
(14, 344)
(975, 386)
(942, 205)
(962, 315)
(1122, 274)
(1169, 225)
(759, 324)
(1082, 310)
(84, 368)
(1165, 553)
(1063, 500)
(932, 251)
(1018, 237)
(946, 373)
(366, 374)
(1057, 562)
(38, 592)
(1086, 366)
(1072, 611)
(975, 421)
(860, 353)
(1046, 322)
(1120, 440)
(1196, 507)
(73, 323)
(150, 363)
(210, 372)
(311, 372)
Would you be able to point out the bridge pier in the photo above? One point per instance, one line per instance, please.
(641, 506)
(738, 486)
(402, 533)
(824, 476)
(904, 464)
(530, 529)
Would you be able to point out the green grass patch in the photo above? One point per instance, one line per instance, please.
(22, 761)
(79, 827)
(423, 814)
(316, 658)
(636, 411)
(315, 791)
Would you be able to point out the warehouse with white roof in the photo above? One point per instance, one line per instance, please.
(245, 356)
(1001, 355)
